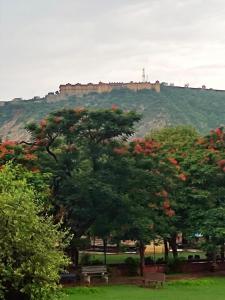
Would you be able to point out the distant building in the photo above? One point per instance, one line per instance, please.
(82, 89)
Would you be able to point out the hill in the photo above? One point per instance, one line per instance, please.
(203, 109)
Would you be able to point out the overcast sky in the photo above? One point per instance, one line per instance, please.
(44, 43)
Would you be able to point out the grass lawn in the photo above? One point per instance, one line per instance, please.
(119, 258)
(201, 289)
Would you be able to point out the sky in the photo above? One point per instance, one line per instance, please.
(45, 43)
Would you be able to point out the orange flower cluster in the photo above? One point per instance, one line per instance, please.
(121, 150)
(173, 160)
(30, 156)
(221, 164)
(43, 123)
(143, 146)
(57, 120)
(166, 204)
(79, 110)
(182, 177)
(7, 147)
(114, 107)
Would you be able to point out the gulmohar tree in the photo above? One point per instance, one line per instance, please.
(103, 182)
(76, 147)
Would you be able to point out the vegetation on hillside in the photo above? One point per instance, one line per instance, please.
(203, 109)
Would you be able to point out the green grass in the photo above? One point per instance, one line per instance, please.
(201, 289)
(119, 258)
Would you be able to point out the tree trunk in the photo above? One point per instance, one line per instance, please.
(105, 249)
(166, 249)
(173, 245)
(222, 250)
(74, 255)
(142, 257)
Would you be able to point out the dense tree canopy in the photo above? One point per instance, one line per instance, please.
(31, 245)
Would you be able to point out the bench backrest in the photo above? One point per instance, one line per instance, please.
(94, 269)
(155, 276)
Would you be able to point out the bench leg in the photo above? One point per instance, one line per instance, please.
(106, 277)
(87, 279)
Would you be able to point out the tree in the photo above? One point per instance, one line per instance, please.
(178, 147)
(31, 245)
(77, 147)
(145, 192)
(212, 227)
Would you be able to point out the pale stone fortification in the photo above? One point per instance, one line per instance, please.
(82, 89)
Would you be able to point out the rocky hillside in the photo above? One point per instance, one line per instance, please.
(203, 109)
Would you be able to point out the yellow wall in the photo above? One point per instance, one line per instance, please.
(158, 249)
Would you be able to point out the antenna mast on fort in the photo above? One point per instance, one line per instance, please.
(143, 75)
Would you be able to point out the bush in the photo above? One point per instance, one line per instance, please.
(96, 262)
(149, 260)
(31, 256)
(160, 260)
(132, 266)
(85, 259)
(173, 264)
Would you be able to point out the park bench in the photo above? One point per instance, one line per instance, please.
(153, 279)
(93, 271)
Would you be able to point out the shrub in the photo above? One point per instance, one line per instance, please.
(96, 262)
(173, 265)
(149, 260)
(132, 266)
(85, 259)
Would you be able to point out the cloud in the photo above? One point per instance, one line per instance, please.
(45, 43)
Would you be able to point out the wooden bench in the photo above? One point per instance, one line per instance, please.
(93, 271)
(153, 279)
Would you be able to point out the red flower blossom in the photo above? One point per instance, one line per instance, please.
(29, 156)
(114, 107)
(182, 177)
(166, 204)
(138, 149)
(43, 123)
(221, 163)
(164, 194)
(120, 151)
(218, 131)
(170, 213)
(172, 160)
(57, 120)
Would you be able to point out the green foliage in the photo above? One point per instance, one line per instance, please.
(203, 109)
(85, 259)
(77, 147)
(31, 245)
(173, 264)
(132, 266)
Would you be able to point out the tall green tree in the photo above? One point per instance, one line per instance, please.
(77, 148)
(31, 245)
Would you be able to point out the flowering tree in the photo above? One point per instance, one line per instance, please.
(76, 146)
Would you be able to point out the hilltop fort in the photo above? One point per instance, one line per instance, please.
(82, 89)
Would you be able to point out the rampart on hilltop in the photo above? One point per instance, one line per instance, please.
(82, 89)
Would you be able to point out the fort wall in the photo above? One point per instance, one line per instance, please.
(82, 89)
